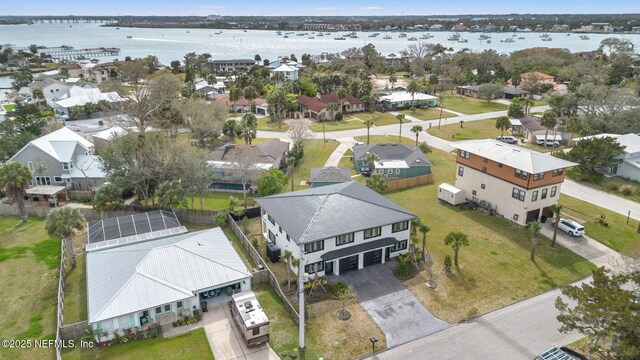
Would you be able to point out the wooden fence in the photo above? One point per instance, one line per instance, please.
(73, 331)
(60, 309)
(265, 271)
(412, 181)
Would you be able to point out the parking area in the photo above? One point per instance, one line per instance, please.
(395, 309)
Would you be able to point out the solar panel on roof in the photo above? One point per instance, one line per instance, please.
(137, 226)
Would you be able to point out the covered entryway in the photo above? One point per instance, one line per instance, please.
(349, 263)
(372, 258)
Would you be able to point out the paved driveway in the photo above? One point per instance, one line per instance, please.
(399, 314)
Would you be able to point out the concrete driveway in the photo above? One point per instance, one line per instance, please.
(399, 314)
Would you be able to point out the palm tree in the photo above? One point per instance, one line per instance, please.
(37, 95)
(333, 107)
(368, 124)
(291, 164)
(534, 227)
(392, 80)
(548, 121)
(342, 93)
(371, 161)
(527, 102)
(456, 239)
(234, 95)
(412, 89)
(287, 258)
(248, 124)
(424, 229)
(416, 129)
(441, 99)
(63, 223)
(502, 124)
(14, 179)
(556, 209)
(400, 118)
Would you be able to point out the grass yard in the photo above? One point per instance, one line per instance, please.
(29, 261)
(467, 105)
(216, 200)
(75, 288)
(386, 139)
(427, 114)
(9, 107)
(346, 161)
(612, 185)
(483, 129)
(495, 269)
(192, 345)
(265, 124)
(283, 330)
(619, 235)
(355, 121)
(315, 155)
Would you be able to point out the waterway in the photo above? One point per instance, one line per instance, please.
(173, 44)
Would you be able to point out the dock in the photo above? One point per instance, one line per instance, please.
(66, 52)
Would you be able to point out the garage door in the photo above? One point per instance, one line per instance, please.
(372, 257)
(348, 264)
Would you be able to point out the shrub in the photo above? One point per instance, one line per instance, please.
(447, 263)
(338, 116)
(402, 269)
(473, 312)
(613, 186)
(628, 189)
(255, 243)
(602, 220)
(424, 147)
(220, 219)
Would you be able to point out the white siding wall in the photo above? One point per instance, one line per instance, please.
(330, 243)
(628, 171)
(498, 193)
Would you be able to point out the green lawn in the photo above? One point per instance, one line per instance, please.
(495, 269)
(347, 162)
(283, 330)
(427, 114)
(315, 155)
(355, 121)
(482, 129)
(265, 124)
(192, 345)
(75, 289)
(467, 105)
(215, 200)
(382, 139)
(29, 262)
(612, 185)
(9, 107)
(619, 235)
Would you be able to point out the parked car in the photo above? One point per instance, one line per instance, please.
(571, 227)
(507, 139)
(553, 143)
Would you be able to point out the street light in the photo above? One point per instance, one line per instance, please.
(373, 340)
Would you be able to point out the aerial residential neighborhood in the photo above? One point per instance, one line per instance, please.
(288, 181)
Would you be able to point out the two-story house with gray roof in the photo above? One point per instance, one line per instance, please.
(395, 161)
(336, 228)
(52, 158)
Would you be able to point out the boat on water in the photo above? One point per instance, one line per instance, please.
(463, 40)
(285, 37)
(402, 35)
(413, 38)
(129, 36)
(311, 37)
(484, 37)
(507, 40)
(424, 37)
(387, 37)
(340, 38)
(584, 37)
(521, 37)
(547, 39)
(454, 37)
(488, 41)
(117, 28)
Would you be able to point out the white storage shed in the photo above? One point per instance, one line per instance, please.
(451, 194)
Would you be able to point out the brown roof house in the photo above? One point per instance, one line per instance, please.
(312, 107)
(244, 105)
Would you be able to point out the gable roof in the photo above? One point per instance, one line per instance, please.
(143, 275)
(388, 152)
(312, 103)
(59, 144)
(538, 75)
(405, 96)
(332, 97)
(41, 83)
(327, 211)
(264, 153)
(285, 68)
(89, 166)
(330, 174)
(531, 123)
(514, 156)
(224, 98)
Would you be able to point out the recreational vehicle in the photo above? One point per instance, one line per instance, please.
(251, 319)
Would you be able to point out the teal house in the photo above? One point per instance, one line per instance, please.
(329, 175)
(395, 161)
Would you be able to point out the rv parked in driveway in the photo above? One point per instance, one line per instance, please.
(251, 319)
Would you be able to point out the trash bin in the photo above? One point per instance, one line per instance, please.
(203, 305)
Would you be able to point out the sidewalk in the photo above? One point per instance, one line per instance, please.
(336, 155)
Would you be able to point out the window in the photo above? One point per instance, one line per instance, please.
(312, 268)
(314, 246)
(272, 237)
(145, 313)
(380, 171)
(521, 174)
(499, 165)
(158, 310)
(43, 180)
(538, 176)
(167, 308)
(57, 179)
(554, 189)
(484, 169)
(397, 171)
(474, 193)
(544, 194)
(518, 194)
(534, 195)
(460, 171)
(280, 229)
(373, 232)
(288, 237)
(273, 222)
(400, 226)
(43, 164)
(557, 172)
(465, 154)
(179, 305)
(485, 160)
(256, 331)
(515, 217)
(390, 171)
(67, 165)
(483, 186)
(30, 163)
(401, 245)
(344, 239)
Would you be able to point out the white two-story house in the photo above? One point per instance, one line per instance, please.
(336, 228)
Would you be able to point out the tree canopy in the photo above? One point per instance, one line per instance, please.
(596, 153)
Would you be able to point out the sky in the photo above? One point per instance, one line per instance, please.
(319, 8)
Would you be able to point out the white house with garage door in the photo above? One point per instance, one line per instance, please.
(145, 269)
(336, 228)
